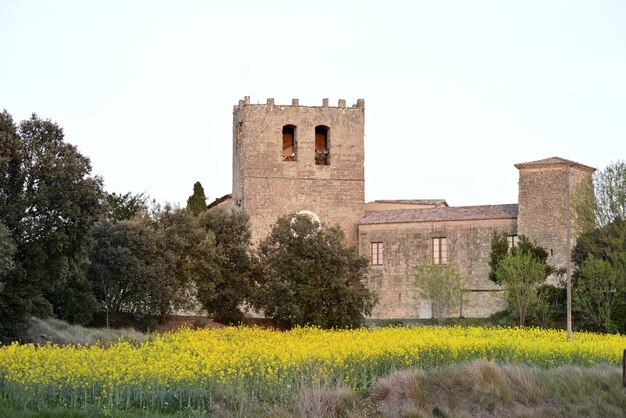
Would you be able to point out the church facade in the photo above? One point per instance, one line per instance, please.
(310, 159)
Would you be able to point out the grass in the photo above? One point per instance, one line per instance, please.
(478, 388)
(482, 388)
(56, 331)
(499, 319)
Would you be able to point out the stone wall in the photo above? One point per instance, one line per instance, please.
(542, 206)
(267, 187)
(408, 244)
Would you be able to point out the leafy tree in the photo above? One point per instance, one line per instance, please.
(599, 286)
(123, 207)
(610, 188)
(223, 293)
(522, 275)
(499, 251)
(442, 285)
(130, 270)
(309, 276)
(7, 252)
(48, 202)
(196, 203)
(196, 260)
(601, 200)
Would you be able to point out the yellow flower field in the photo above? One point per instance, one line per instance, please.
(189, 366)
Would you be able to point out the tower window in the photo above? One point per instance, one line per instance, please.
(440, 251)
(321, 145)
(289, 143)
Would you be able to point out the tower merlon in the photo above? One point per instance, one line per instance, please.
(341, 103)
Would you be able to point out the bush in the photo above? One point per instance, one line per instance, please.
(308, 275)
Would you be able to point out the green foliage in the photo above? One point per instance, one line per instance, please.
(7, 252)
(196, 203)
(48, 203)
(610, 189)
(599, 286)
(523, 270)
(123, 207)
(130, 271)
(309, 276)
(522, 274)
(195, 258)
(598, 201)
(499, 251)
(73, 299)
(223, 293)
(442, 285)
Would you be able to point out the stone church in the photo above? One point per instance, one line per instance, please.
(310, 159)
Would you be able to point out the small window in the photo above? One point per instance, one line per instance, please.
(512, 240)
(440, 250)
(322, 156)
(376, 253)
(289, 143)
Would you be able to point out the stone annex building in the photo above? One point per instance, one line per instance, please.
(310, 159)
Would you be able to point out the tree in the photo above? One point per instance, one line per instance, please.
(223, 293)
(528, 295)
(522, 274)
(599, 278)
(598, 201)
(7, 252)
(610, 188)
(196, 203)
(123, 207)
(196, 259)
(48, 202)
(130, 270)
(309, 276)
(499, 251)
(599, 287)
(442, 285)
(599, 213)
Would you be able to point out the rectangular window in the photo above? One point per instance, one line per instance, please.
(512, 240)
(440, 250)
(289, 143)
(376, 253)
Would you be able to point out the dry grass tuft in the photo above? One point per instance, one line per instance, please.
(56, 331)
(484, 389)
(319, 402)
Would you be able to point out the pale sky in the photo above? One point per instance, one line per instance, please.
(456, 92)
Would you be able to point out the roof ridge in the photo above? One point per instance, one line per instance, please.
(554, 161)
(441, 214)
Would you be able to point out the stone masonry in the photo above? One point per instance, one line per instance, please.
(309, 159)
(543, 188)
(409, 241)
(266, 184)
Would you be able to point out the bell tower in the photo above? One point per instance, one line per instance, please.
(292, 158)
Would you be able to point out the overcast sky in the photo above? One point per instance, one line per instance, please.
(455, 92)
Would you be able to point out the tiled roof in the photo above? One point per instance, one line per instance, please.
(554, 161)
(219, 200)
(440, 214)
(436, 202)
